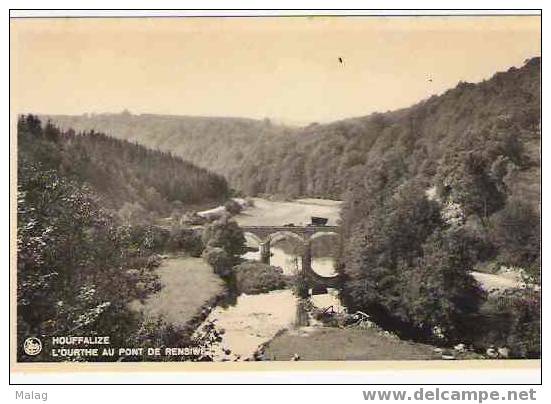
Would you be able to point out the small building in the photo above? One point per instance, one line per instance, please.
(213, 214)
(318, 221)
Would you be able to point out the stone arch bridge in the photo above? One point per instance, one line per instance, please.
(265, 236)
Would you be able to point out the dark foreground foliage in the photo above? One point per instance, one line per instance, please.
(79, 264)
(76, 269)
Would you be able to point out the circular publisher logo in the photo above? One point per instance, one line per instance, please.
(32, 346)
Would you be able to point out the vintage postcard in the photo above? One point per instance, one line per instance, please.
(300, 189)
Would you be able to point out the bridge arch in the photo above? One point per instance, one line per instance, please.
(285, 235)
(303, 236)
(321, 234)
(327, 268)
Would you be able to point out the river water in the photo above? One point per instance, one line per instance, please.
(255, 319)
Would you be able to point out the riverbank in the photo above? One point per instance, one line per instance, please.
(188, 285)
(326, 343)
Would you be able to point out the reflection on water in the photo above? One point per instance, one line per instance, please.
(327, 300)
(324, 266)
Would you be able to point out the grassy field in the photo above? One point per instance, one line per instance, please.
(278, 213)
(313, 343)
(187, 284)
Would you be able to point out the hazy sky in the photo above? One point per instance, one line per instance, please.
(283, 68)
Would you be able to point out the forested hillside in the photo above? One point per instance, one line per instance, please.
(326, 160)
(124, 174)
(449, 186)
(218, 144)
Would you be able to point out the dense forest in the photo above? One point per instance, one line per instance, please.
(218, 144)
(449, 186)
(476, 144)
(431, 193)
(125, 175)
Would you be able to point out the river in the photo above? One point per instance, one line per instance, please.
(255, 319)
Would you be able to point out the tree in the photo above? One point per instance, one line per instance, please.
(71, 277)
(126, 175)
(440, 291)
(227, 235)
(219, 260)
(388, 242)
(516, 232)
(525, 327)
(132, 212)
(466, 178)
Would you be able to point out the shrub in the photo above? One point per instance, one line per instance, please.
(233, 207)
(219, 259)
(516, 317)
(256, 277)
(187, 240)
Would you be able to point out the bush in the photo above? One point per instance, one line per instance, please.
(515, 314)
(233, 207)
(256, 277)
(186, 240)
(219, 260)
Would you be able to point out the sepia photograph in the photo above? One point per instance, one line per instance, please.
(275, 188)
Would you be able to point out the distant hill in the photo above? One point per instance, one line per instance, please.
(218, 144)
(123, 174)
(258, 157)
(328, 160)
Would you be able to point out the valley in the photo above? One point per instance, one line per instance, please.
(127, 199)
